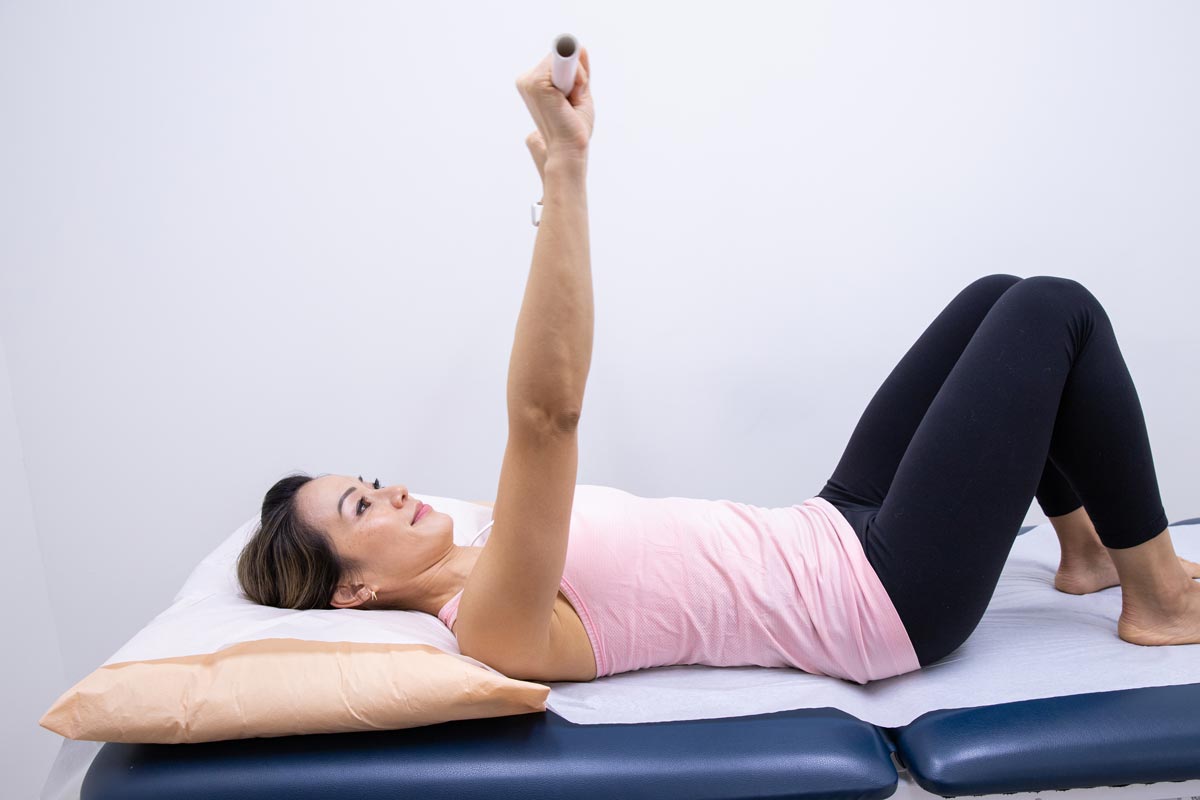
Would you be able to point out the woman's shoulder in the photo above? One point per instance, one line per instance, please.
(570, 656)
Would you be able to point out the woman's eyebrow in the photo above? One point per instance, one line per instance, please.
(345, 494)
(343, 497)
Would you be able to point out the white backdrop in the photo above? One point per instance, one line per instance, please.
(244, 239)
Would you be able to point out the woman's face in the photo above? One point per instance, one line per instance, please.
(375, 527)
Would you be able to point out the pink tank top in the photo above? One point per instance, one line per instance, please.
(673, 580)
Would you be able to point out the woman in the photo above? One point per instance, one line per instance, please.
(1016, 390)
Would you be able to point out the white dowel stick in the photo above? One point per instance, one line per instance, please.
(566, 59)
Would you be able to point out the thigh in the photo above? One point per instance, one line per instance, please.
(943, 532)
(861, 480)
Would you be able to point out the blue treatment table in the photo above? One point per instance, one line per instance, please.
(1146, 735)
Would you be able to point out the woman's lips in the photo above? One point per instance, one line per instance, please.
(421, 509)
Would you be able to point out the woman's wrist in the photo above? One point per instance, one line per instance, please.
(565, 170)
(562, 178)
(565, 160)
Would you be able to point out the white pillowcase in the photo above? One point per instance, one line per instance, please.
(209, 612)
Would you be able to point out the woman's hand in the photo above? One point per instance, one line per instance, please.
(564, 123)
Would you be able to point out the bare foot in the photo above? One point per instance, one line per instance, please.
(1150, 626)
(1097, 571)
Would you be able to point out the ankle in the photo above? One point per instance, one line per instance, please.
(1150, 572)
(1083, 553)
(1165, 598)
(1071, 522)
(1077, 538)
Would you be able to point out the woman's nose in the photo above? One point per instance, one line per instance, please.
(399, 495)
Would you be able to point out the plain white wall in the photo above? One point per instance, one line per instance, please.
(32, 672)
(244, 239)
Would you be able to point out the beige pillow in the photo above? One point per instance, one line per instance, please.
(281, 687)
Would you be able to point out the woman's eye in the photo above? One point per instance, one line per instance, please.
(362, 503)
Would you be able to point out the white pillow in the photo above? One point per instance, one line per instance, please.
(209, 612)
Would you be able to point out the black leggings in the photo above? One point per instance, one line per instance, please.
(1017, 390)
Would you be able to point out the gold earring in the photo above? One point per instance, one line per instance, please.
(373, 597)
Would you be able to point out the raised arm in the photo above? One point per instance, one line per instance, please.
(506, 613)
(507, 606)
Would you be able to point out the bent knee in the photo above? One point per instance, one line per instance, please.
(998, 282)
(1000, 277)
(1054, 286)
(1055, 295)
(987, 290)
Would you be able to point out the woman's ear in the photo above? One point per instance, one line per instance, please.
(349, 596)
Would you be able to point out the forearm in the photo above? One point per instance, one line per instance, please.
(552, 349)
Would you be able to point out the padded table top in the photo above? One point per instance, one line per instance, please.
(1100, 739)
(806, 753)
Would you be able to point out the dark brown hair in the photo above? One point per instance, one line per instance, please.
(288, 563)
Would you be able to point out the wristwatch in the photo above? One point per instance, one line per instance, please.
(535, 211)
